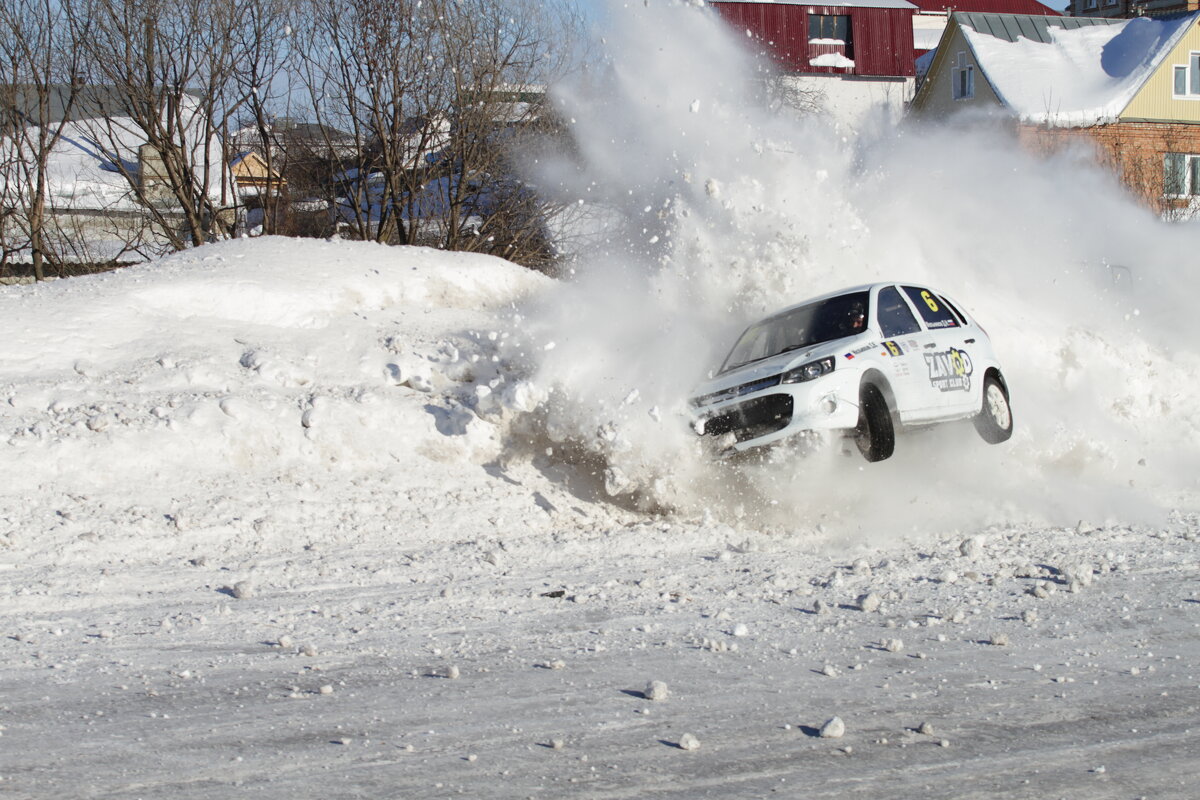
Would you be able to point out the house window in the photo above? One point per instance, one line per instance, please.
(1181, 174)
(1089, 5)
(1187, 78)
(833, 29)
(963, 79)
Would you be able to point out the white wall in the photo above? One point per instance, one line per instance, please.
(852, 100)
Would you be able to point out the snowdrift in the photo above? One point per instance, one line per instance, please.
(248, 359)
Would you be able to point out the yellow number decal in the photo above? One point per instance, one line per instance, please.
(929, 301)
(893, 348)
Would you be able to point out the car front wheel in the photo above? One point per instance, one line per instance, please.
(994, 421)
(874, 434)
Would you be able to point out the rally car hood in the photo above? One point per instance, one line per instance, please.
(757, 374)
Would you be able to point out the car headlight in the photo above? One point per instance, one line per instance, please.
(809, 371)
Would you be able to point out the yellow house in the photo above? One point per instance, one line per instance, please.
(1129, 86)
(254, 178)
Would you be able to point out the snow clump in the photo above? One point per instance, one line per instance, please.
(833, 728)
(656, 690)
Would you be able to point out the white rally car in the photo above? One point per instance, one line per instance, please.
(861, 361)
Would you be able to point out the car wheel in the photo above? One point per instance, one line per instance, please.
(874, 434)
(994, 420)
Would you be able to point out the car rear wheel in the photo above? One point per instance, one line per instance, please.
(994, 420)
(874, 434)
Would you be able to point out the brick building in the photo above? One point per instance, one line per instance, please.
(1128, 87)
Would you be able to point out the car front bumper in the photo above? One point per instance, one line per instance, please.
(771, 415)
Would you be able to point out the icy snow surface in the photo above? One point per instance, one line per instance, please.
(298, 518)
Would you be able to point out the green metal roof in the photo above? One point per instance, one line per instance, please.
(1010, 26)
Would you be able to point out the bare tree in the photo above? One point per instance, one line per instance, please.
(375, 73)
(438, 98)
(40, 66)
(262, 85)
(170, 64)
(504, 55)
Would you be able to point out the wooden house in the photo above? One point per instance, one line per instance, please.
(254, 178)
(1129, 87)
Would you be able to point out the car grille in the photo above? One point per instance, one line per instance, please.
(736, 391)
(753, 418)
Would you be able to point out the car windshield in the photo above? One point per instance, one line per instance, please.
(812, 324)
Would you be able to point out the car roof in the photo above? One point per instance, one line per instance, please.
(865, 287)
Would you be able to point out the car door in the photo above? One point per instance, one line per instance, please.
(902, 346)
(946, 346)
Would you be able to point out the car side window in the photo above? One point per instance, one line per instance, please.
(932, 310)
(962, 319)
(895, 319)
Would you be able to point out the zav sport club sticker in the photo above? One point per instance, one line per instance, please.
(950, 370)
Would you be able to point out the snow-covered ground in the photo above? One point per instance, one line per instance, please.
(288, 518)
(272, 526)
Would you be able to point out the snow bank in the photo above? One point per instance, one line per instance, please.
(253, 357)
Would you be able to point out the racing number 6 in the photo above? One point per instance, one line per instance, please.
(929, 301)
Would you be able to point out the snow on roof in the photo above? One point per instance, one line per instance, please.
(841, 4)
(1076, 76)
(85, 167)
(832, 60)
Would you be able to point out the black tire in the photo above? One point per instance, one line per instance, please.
(874, 434)
(994, 420)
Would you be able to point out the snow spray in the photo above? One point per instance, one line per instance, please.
(721, 206)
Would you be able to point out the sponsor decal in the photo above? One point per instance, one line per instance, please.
(950, 370)
(942, 323)
(892, 349)
(859, 351)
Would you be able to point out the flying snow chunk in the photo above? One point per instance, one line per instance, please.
(615, 482)
(695, 107)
